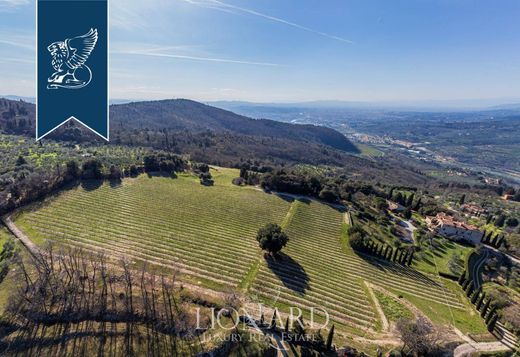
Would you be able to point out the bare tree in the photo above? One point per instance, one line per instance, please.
(419, 337)
(70, 300)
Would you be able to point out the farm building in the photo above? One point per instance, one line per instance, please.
(472, 209)
(395, 207)
(451, 228)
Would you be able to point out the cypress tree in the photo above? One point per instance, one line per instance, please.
(492, 322)
(465, 284)
(390, 253)
(273, 321)
(499, 243)
(475, 296)
(410, 259)
(490, 314)
(329, 338)
(462, 277)
(489, 235)
(287, 325)
(373, 248)
(469, 288)
(396, 252)
(480, 301)
(485, 308)
(386, 252)
(405, 257)
(417, 205)
(401, 256)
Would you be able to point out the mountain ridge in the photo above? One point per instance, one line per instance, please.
(185, 114)
(205, 133)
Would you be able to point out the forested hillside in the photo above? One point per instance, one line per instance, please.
(206, 133)
(183, 114)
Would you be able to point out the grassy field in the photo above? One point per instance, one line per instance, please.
(369, 151)
(392, 308)
(4, 235)
(208, 235)
(435, 258)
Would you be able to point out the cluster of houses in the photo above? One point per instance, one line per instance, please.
(454, 229)
(449, 226)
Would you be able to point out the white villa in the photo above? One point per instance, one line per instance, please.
(450, 228)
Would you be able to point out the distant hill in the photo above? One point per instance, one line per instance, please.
(17, 98)
(195, 117)
(17, 117)
(206, 133)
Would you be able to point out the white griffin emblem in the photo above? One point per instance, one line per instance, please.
(68, 61)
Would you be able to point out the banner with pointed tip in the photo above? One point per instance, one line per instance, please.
(72, 65)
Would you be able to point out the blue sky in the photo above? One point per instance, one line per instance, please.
(300, 50)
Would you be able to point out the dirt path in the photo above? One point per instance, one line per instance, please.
(467, 349)
(385, 326)
(347, 219)
(31, 247)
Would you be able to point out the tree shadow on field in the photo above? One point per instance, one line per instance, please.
(114, 183)
(379, 264)
(285, 197)
(289, 271)
(91, 185)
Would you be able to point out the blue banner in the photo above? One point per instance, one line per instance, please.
(72, 65)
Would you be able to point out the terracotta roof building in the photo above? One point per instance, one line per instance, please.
(449, 227)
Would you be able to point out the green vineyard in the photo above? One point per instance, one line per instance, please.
(319, 270)
(207, 234)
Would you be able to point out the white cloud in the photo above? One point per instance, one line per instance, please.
(222, 6)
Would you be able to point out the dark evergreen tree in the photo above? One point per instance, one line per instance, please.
(396, 253)
(329, 339)
(475, 295)
(490, 314)
(480, 301)
(469, 288)
(500, 220)
(485, 308)
(462, 277)
(410, 258)
(273, 321)
(492, 323)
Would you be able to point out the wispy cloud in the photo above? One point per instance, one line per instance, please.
(159, 52)
(222, 6)
(16, 60)
(9, 5)
(17, 44)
